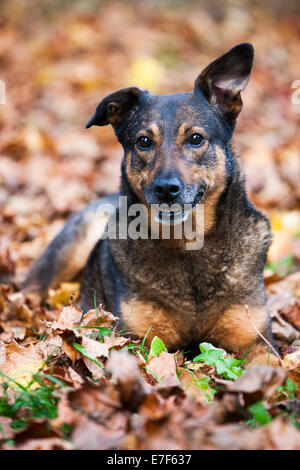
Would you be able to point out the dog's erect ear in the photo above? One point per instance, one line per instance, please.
(113, 109)
(223, 80)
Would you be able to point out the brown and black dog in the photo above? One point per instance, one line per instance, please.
(177, 149)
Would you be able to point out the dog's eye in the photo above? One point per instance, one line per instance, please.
(195, 139)
(144, 142)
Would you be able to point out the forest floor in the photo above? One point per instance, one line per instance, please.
(68, 387)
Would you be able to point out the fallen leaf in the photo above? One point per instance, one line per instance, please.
(100, 316)
(68, 319)
(21, 363)
(196, 384)
(60, 297)
(291, 363)
(292, 314)
(262, 380)
(49, 443)
(163, 367)
(6, 432)
(132, 387)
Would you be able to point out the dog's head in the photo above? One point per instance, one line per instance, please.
(176, 145)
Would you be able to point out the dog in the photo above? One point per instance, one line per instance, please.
(178, 150)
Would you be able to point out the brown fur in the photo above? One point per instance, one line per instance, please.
(140, 316)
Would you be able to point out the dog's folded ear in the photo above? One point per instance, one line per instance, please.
(222, 81)
(115, 107)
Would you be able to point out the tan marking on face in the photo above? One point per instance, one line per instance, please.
(152, 131)
(181, 132)
(186, 130)
(171, 328)
(137, 178)
(215, 179)
(157, 136)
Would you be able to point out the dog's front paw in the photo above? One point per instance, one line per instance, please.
(261, 357)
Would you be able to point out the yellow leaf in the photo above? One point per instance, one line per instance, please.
(145, 72)
(20, 364)
(61, 296)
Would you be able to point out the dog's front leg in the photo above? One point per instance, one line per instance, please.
(240, 329)
(149, 319)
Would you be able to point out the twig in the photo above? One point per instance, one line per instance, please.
(261, 335)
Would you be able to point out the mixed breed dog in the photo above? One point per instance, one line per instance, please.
(178, 152)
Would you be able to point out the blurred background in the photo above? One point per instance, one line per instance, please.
(58, 58)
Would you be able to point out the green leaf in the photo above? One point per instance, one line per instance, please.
(261, 416)
(227, 366)
(157, 346)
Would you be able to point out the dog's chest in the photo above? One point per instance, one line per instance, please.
(187, 284)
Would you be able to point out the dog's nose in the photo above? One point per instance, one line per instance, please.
(167, 189)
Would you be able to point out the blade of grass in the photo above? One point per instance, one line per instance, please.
(86, 354)
(120, 332)
(145, 337)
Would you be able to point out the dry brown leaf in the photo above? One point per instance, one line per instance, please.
(51, 346)
(163, 367)
(88, 435)
(21, 362)
(98, 351)
(124, 369)
(188, 383)
(281, 435)
(6, 432)
(68, 318)
(94, 317)
(71, 352)
(65, 415)
(281, 297)
(115, 342)
(292, 314)
(47, 443)
(95, 348)
(258, 379)
(291, 363)
(103, 422)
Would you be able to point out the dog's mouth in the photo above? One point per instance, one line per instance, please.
(176, 215)
(171, 217)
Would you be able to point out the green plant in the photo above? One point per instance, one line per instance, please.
(226, 366)
(85, 353)
(287, 391)
(140, 348)
(260, 415)
(157, 347)
(98, 331)
(30, 402)
(203, 384)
